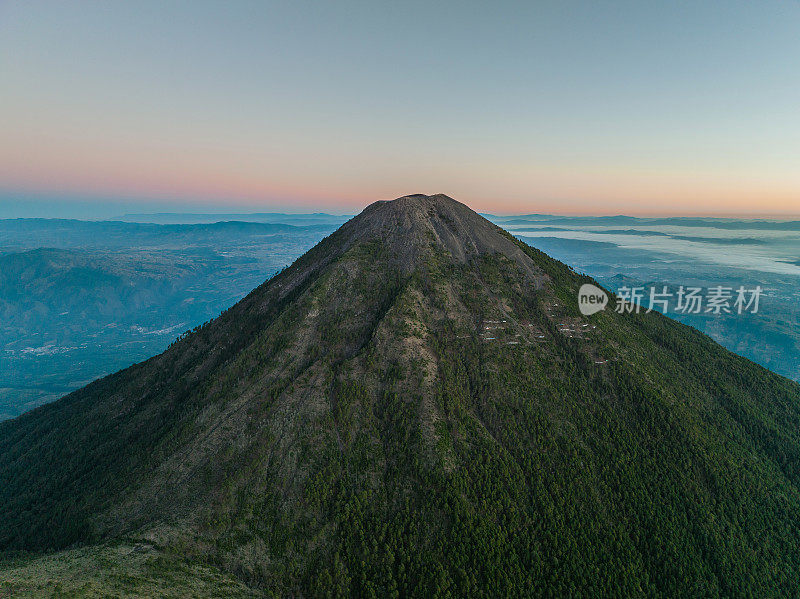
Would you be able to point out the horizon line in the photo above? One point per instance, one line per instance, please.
(136, 205)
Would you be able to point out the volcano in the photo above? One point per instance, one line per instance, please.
(415, 407)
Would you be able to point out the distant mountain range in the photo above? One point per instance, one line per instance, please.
(42, 232)
(316, 218)
(717, 223)
(80, 299)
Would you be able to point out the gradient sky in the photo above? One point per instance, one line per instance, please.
(562, 107)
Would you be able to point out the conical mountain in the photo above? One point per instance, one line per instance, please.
(417, 408)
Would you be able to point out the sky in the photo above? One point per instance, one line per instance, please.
(562, 107)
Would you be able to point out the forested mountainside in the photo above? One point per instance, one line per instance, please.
(416, 408)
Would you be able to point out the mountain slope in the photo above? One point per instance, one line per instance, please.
(415, 407)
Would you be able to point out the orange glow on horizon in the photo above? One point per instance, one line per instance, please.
(257, 184)
(256, 198)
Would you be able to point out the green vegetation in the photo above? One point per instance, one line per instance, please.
(122, 570)
(381, 420)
